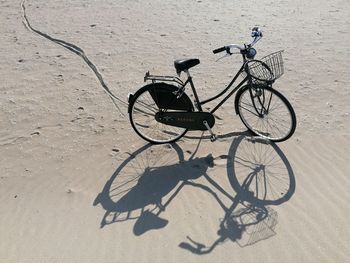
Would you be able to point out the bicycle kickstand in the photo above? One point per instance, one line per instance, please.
(212, 135)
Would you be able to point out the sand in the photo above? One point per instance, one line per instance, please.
(78, 185)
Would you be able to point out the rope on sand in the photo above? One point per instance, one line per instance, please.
(78, 51)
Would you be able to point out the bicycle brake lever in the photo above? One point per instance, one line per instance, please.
(224, 56)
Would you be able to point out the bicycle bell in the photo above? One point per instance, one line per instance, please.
(251, 52)
(256, 32)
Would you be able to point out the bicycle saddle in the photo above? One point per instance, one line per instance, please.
(185, 64)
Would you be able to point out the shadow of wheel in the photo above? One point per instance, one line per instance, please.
(140, 182)
(259, 171)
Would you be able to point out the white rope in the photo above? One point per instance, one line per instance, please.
(77, 50)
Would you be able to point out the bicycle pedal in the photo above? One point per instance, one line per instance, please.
(213, 138)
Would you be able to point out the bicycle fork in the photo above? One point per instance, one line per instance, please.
(260, 95)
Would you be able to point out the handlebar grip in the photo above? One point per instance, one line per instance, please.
(218, 50)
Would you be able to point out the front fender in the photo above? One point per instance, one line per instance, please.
(238, 94)
(131, 98)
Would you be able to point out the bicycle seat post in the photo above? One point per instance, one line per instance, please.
(198, 105)
(189, 79)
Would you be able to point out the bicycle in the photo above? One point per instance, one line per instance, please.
(161, 112)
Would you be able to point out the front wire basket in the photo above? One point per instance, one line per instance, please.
(267, 69)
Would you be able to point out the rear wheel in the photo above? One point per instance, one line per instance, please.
(266, 112)
(146, 103)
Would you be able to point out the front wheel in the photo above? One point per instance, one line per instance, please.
(266, 112)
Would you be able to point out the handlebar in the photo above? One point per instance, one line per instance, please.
(256, 33)
(218, 50)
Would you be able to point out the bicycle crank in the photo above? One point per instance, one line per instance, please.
(212, 135)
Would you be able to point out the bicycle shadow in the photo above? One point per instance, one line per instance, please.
(148, 180)
(137, 188)
(261, 175)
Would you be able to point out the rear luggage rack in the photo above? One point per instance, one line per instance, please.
(155, 78)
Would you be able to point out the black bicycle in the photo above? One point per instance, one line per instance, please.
(161, 112)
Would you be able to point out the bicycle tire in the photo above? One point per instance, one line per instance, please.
(145, 104)
(269, 114)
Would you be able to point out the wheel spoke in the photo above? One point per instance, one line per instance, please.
(142, 116)
(272, 117)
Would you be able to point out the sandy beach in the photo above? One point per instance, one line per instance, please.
(77, 184)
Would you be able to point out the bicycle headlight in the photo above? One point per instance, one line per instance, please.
(251, 52)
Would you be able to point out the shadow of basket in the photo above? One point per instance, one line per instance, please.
(261, 175)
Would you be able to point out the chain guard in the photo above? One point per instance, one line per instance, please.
(188, 120)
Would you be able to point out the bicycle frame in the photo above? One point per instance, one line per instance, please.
(200, 103)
